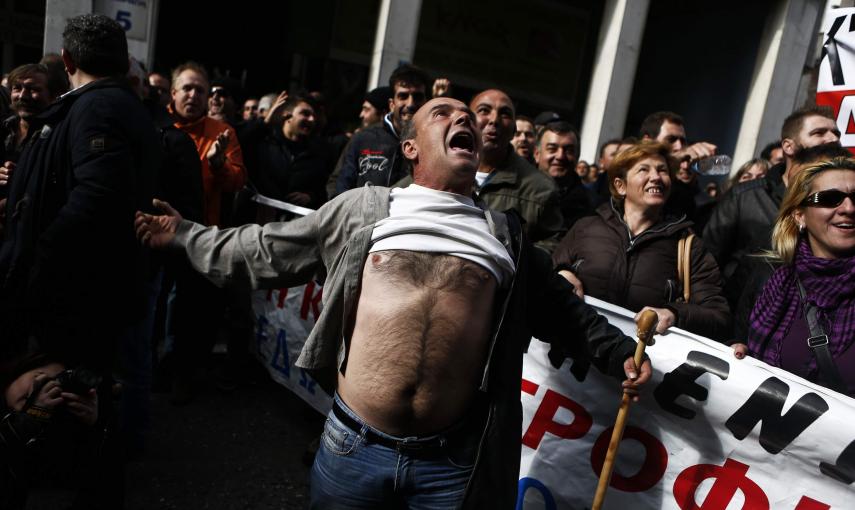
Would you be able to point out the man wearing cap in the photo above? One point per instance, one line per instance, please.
(544, 118)
(373, 155)
(375, 106)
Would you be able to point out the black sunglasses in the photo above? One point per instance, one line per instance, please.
(827, 198)
(219, 91)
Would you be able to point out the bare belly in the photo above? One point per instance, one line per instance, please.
(419, 341)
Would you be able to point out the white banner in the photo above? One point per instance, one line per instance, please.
(711, 432)
(283, 320)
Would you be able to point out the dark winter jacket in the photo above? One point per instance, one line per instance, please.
(742, 221)
(642, 271)
(373, 155)
(179, 180)
(70, 264)
(278, 166)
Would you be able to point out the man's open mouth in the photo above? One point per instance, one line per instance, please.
(462, 141)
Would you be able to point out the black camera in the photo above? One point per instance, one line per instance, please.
(79, 380)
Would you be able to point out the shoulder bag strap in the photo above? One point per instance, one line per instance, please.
(818, 343)
(684, 265)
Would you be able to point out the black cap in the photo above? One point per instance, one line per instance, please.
(544, 118)
(379, 98)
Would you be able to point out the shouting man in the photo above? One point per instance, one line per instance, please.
(429, 302)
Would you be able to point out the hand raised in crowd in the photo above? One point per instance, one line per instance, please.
(666, 318)
(83, 407)
(578, 288)
(274, 114)
(740, 350)
(157, 231)
(441, 87)
(298, 198)
(696, 152)
(217, 153)
(635, 376)
(6, 172)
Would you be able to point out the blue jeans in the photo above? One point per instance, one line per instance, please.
(352, 471)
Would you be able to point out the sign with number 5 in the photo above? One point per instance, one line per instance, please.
(132, 15)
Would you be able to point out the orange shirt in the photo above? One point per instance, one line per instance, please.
(227, 179)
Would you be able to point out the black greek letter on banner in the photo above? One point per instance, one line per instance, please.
(681, 381)
(766, 404)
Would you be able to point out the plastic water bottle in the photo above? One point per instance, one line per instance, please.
(713, 165)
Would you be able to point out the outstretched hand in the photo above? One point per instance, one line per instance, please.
(157, 231)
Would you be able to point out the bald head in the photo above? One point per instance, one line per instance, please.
(444, 145)
(495, 114)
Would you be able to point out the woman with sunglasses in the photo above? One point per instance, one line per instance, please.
(804, 318)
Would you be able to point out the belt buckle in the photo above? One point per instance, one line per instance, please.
(817, 341)
(407, 445)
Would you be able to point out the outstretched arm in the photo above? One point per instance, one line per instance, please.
(273, 256)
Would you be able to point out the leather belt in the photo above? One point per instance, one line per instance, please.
(405, 444)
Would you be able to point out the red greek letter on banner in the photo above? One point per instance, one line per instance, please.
(544, 421)
(728, 479)
(807, 503)
(652, 470)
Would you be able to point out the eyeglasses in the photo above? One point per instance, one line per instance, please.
(219, 91)
(828, 198)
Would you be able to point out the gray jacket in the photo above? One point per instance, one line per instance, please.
(537, 302)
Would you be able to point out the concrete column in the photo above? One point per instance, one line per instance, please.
(56, 14)
(788, 35)
(395, 39)
(618, 48)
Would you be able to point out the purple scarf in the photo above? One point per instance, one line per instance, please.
(829, 284)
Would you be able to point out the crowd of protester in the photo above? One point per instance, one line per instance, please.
(766, 258)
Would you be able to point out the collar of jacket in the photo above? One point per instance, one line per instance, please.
(612, 213)
(774, 180)
(181, 124)
(507, 172)
(390, 126)
(10, 123)
(58, 108)
(568, 181)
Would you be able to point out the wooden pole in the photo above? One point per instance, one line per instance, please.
(646, 324)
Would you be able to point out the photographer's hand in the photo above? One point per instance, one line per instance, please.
(83, 407)
(49, 395)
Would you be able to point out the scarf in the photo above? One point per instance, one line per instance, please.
(829, 284)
